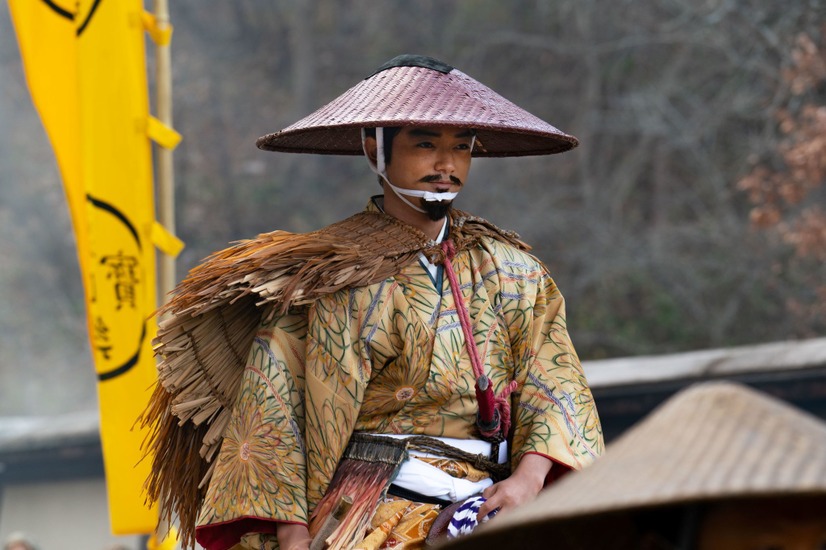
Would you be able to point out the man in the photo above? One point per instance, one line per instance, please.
(719, 466)
(411, 318)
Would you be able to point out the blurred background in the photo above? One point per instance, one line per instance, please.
(690, 218)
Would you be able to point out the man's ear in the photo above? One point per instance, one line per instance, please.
(371, 148)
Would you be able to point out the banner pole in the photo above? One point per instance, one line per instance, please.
(165, 190)
(165, 172)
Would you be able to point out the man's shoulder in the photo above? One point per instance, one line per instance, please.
(468, 226)
(374, 234)
(507, 252)
(505, 247)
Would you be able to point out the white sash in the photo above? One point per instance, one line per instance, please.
(420, 477)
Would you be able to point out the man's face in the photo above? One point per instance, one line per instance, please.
(765, 524)
(427, 158)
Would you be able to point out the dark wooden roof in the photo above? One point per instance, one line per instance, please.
(628, 389)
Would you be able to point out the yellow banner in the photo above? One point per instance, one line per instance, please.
(85, 66)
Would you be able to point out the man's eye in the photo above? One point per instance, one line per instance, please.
(425, 144)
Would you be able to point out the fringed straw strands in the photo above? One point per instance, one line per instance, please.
(331, 523)
(212, 317)
(363, 474)
(177, 466)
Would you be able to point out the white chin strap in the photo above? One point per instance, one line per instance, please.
(380, 168)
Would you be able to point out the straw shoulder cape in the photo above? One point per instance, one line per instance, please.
(212, 316)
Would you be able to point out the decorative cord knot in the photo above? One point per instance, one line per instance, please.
(449, 250)
(434, 253)
(503, 405)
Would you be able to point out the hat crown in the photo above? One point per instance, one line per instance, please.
(413, 60)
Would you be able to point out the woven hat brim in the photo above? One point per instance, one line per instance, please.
(712, 441)
(415, 96)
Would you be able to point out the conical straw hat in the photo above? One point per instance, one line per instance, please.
(715, 440)
(420, 91)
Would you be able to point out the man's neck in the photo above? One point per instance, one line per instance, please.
(421, 221)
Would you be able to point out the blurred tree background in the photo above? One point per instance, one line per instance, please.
(689, 217)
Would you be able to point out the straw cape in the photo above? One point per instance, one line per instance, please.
(412, 90)
(712, 441)
(212, 317)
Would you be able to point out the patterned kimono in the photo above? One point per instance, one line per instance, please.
(391, 358)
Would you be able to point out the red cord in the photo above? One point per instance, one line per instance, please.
(488, 404)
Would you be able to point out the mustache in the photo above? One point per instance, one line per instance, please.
(437, 178)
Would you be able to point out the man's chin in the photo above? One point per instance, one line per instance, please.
(437, 210)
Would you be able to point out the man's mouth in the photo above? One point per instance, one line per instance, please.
(441, 180)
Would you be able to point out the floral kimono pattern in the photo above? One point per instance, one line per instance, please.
(391, 358)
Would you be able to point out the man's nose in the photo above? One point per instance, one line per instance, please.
(445, 163)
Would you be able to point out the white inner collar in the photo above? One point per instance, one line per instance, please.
(431, 267)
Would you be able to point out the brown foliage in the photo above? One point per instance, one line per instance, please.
(786, 195)
(779, 194)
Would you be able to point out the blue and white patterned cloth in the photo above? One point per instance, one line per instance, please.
(464, 519)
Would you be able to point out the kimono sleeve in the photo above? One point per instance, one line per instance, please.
(336, 379)
(553, 412)
(260, 472)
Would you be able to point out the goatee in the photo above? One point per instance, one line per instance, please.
(437, 210)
